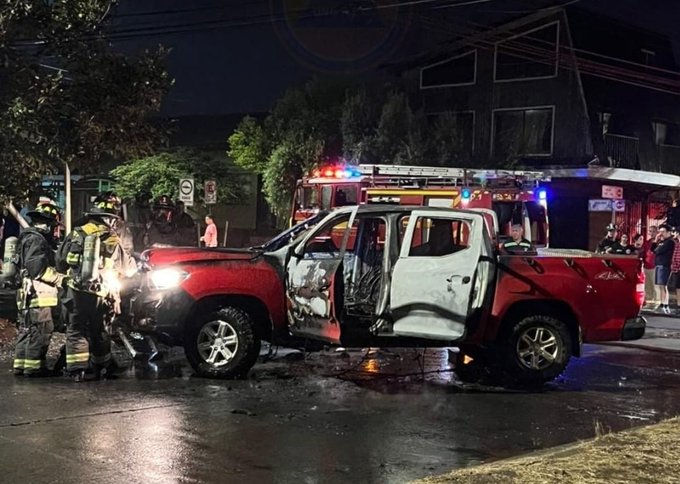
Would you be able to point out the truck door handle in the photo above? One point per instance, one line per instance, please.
(466, 279)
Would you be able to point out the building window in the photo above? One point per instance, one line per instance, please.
(460, 70)
(666, 133)
(522, 132)
(530, 55)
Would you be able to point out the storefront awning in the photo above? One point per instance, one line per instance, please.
(652, 180)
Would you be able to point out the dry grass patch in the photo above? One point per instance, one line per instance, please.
(645, 455)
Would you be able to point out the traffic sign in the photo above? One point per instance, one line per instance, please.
(619, 205)
(186, 191)
(612, 192)
(210, 192)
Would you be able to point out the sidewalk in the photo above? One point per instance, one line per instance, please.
(662, 334)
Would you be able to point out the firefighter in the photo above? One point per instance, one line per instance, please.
(89, 302)
(38, 294)
(518, 244)
(607, 244)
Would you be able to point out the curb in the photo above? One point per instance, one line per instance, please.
(647, 312)
(639, 346)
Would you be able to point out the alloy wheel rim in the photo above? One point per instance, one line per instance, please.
(538, 348)
(217, 343)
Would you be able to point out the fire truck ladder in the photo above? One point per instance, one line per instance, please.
(433, 175)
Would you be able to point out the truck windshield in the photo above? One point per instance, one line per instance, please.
(285, 237)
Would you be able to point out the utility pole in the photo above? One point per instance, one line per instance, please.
(67, 185)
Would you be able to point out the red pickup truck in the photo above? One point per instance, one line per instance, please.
(389, 276)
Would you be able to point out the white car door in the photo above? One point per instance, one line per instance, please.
(313, 279)
(436, 282)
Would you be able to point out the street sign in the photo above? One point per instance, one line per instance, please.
(210, 192)
(612, 192)
(619, 205)
(599, 205)
(186, 191)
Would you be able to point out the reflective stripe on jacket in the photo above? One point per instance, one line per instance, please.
(39, 278)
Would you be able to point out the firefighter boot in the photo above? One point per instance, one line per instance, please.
(77, 376)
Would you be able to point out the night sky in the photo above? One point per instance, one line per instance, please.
(238, 56)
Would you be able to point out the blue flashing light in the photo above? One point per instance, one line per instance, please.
(466, 195)
(542, 194)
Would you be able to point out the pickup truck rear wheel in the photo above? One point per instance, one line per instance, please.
(222, 344)
(537, 350)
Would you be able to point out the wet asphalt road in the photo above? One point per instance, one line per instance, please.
(330, 418)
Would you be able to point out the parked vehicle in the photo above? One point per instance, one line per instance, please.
(390, 276)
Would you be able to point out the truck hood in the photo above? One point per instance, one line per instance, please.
(162, 256)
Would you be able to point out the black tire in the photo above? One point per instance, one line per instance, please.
(238, 327)
(537, 350)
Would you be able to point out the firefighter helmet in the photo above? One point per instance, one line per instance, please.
(163, 202)
(108, 204)
(45, 211)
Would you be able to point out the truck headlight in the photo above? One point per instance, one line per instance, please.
(167, 278)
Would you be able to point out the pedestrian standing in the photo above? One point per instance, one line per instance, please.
(623, 247)
(210, 235)
(663, 258)
(639, 245)
(652, 296)
(674, 280)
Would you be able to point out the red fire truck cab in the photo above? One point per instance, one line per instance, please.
(517, 197)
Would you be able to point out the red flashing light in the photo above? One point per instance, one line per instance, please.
(336, 171)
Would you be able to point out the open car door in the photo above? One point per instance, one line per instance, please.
(315, 278)
(442, 274)
(491, 220)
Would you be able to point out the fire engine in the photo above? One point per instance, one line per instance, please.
(517, 197)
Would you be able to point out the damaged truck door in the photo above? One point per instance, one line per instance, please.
(437, 279)
(315, 282)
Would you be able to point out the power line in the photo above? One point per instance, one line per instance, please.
(523, 50)
(126, 34)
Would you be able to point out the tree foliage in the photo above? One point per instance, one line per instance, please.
(301, 130)
(159, 174)
(329, 122)
(66, 97)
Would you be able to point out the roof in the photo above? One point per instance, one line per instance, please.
(589, 32)
(619, 175)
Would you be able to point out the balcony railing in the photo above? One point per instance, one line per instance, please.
(622, 151)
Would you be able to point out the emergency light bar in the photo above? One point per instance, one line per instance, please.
(337, 172)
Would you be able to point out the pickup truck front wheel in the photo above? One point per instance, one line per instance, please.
(222, 344)
(537, 350)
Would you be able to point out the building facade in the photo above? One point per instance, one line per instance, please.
(562, 88)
